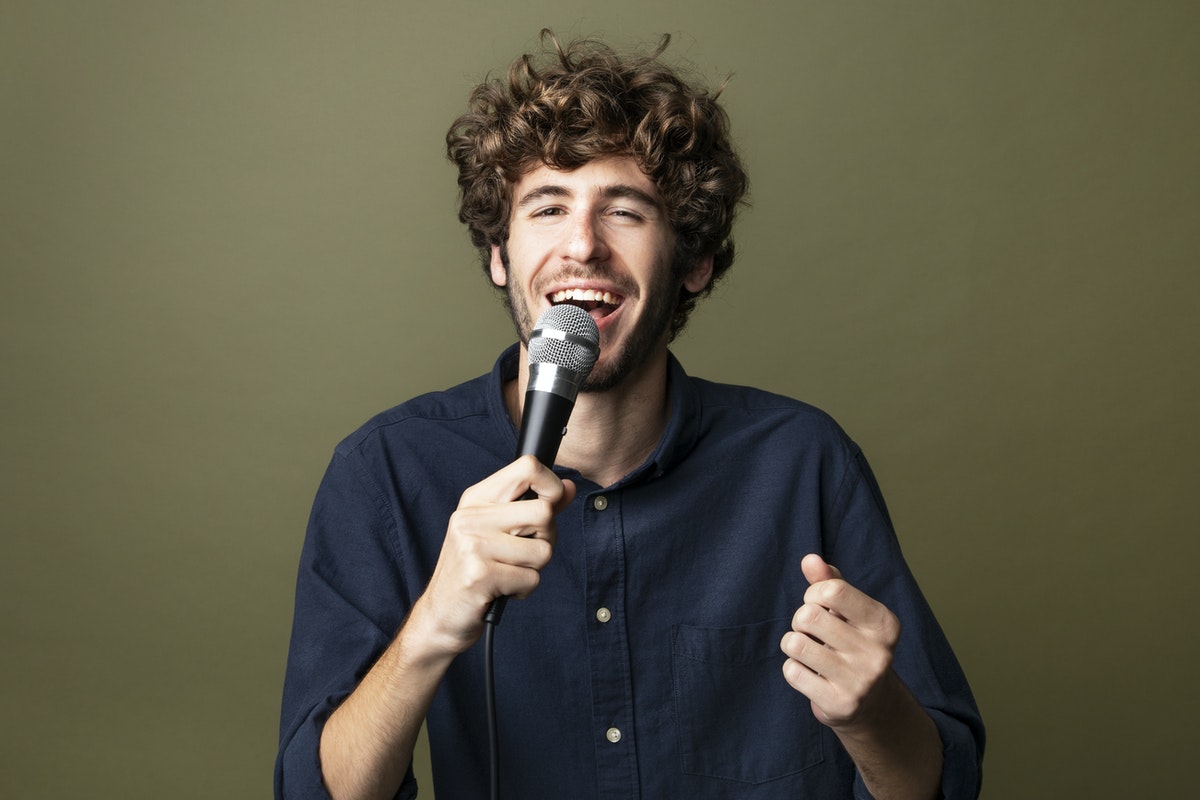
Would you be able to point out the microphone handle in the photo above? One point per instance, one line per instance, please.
(543, 424)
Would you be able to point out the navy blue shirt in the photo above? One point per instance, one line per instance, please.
(647, 663)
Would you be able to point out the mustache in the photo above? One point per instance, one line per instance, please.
(623, 284)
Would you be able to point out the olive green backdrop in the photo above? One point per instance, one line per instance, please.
(228, 236)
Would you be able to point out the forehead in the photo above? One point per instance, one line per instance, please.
(600, 177)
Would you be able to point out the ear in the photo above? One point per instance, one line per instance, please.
(496, 266)
(700, 276)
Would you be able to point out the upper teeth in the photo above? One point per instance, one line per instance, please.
(583, 294)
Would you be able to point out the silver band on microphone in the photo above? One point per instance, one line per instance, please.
(547, 377)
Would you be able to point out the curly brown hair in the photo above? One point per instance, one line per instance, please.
(567, 106)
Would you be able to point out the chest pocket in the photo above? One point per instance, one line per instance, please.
(738, 718)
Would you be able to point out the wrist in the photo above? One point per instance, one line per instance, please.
(893, 716)
(429, 639)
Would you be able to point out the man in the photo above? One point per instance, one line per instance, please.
(688, 534)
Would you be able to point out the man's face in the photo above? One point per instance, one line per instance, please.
(597, 237)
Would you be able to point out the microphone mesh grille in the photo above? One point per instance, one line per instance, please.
(577, 353)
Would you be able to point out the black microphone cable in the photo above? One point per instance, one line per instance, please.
(490, 620)
(563, 348)
(489, 684)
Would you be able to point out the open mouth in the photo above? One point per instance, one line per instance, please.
(597, 303)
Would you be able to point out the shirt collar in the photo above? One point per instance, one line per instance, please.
(677, 440)
(683, 424)
(504, 370)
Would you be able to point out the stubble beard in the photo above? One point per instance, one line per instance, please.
(641, 343)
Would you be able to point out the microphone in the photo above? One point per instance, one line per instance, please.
(563, 348)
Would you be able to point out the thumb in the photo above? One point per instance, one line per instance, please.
(568, 496)
(816, 570)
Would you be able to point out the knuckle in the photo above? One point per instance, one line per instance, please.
(807, 615)
(802, 647)
(824, 593)
(541, 550)
(530, 580)
(892, 627)
(834, 589)
(527, 466)
(455, 524)
(872, 659)
(474, 572)
(874, 664)
(885, 628)
(545, 509)
(471, 496)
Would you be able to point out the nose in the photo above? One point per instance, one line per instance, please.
(585, 240)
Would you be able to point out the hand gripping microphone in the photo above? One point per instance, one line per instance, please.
(563, 348)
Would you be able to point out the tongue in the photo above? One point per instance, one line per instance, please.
(596, 308)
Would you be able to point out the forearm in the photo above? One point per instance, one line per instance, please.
(367, 743)
(898, 751)
(493, 547)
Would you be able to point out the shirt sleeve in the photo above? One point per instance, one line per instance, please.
(350, 600)
(865, 548)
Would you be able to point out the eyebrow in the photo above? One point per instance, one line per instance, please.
(616, 190)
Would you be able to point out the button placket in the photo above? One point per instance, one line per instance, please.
(600, 503)
(608, 646)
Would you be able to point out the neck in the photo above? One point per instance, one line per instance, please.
(612, 432)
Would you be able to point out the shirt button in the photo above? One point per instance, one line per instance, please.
(613, 735)
(603, 614)
(600, 502)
